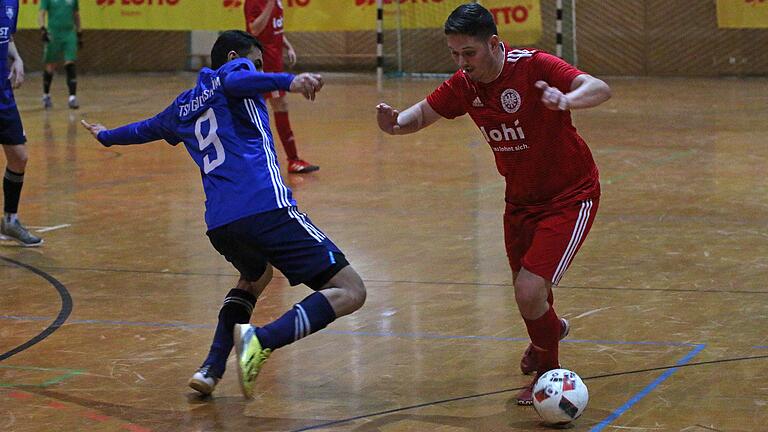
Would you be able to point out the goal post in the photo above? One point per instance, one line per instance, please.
(411, 41)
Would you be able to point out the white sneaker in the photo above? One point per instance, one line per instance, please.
(16, 231)
(203, 381)
(72, 102)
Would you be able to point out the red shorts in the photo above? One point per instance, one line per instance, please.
(274, 63)
(274, 94)
(545, 240)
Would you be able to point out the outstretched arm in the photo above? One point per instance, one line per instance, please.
(248, 83)
(586, 92)
(414, 119)
(135, 133)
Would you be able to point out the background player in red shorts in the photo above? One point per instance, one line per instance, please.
(521, 101)
(264, 19)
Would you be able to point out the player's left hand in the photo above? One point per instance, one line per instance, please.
(552, 97)
(16, 75)
(291, 56)
(94, 128)
(307, 84)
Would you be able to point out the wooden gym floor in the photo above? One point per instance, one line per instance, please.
(101, 327)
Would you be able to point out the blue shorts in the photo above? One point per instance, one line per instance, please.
(11, 129)
(285, 238)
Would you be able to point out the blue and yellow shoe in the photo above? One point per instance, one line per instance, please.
(250, 357)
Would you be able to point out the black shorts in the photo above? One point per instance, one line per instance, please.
(285, 238)
(11, 129)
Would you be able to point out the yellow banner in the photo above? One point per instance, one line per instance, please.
(149, 14)
(519, 21)
(742, 13)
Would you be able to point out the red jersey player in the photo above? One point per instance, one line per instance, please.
(264, 19)
(520, 100)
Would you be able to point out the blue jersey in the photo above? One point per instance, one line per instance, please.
(8, 19)
(224, 124)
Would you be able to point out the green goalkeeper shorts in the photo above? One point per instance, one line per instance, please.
(63, 46)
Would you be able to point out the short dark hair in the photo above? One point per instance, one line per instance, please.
(232, 40)
(471, 19)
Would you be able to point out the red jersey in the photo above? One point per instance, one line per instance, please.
(272, 35)
(537, 150)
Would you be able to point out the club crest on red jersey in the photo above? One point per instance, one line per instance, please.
(510, 100)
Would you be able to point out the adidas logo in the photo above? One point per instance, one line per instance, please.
(515, 55)
(477, 102)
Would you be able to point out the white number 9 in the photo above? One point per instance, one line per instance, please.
(211, 138)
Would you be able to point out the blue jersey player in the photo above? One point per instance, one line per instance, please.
(251, 215)
(11, 131)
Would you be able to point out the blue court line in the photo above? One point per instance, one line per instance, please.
(697, 348)
(761, 347)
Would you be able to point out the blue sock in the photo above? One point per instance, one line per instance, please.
(312, 314)
(237, 309)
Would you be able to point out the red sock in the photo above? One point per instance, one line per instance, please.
(545, 336)
(286, 134)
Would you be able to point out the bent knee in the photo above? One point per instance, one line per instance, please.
(529, 292)
(16, 160)
(352, 295)
(256, 287)
(357, 295)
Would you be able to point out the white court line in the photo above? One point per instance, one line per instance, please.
(42, 229)
(594, 311)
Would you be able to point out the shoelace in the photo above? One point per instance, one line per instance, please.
(255, 363)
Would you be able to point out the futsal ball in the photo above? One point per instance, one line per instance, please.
(560, 396)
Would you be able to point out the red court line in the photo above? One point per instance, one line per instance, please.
(91, 415)
(19, 395)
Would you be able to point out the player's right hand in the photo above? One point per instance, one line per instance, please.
(94, 128)
(307, 84)
(44, 35)
(552, 97)
(16, 75)
(386, 117)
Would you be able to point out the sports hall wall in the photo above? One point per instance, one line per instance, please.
(627, 37)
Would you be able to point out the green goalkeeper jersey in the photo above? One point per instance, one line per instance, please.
(61, 14)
